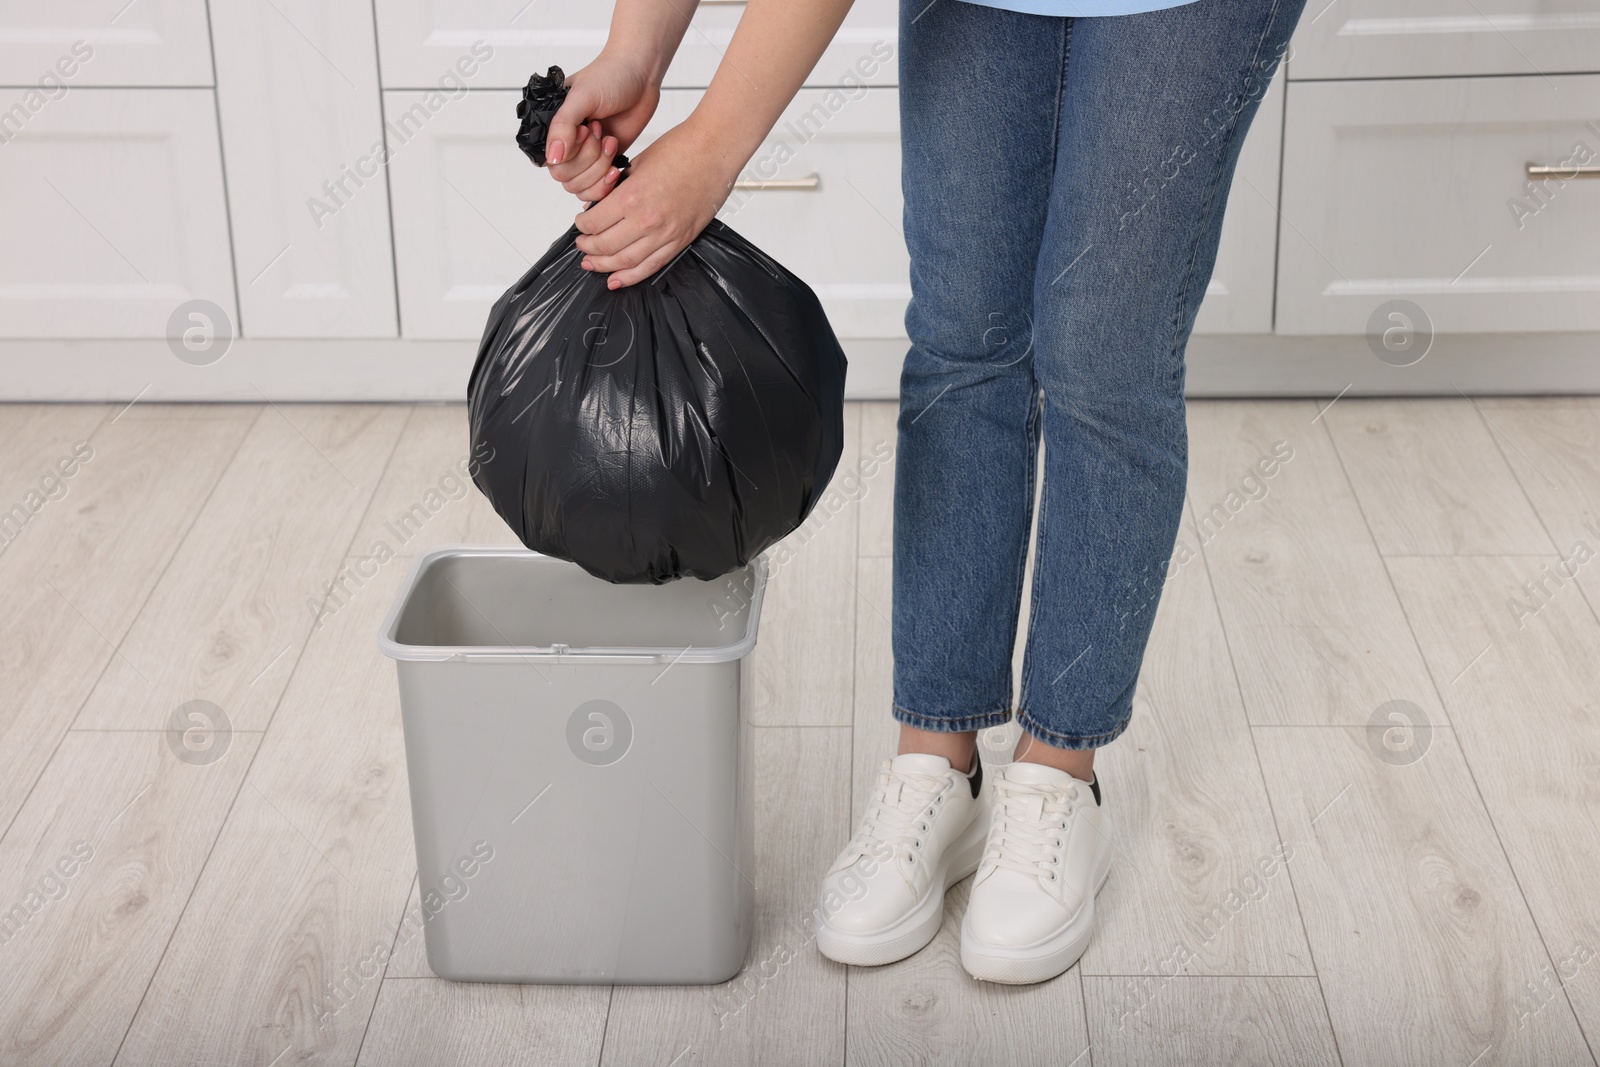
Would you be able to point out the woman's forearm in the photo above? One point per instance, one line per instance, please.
(777, 44)
(649, 32)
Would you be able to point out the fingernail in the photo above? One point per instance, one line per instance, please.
(557, 153)
(586, 265)
(612, 283)
(611, 175)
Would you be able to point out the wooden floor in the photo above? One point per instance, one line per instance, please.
(1307, 872)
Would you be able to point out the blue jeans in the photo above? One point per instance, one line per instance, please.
(1064, 189)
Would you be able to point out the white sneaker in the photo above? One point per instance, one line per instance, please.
(1032, 906)
(923, 831)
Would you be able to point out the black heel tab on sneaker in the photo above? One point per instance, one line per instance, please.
(1094, 787)
(975, 776)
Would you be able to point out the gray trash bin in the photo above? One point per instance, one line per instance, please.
(579, 756)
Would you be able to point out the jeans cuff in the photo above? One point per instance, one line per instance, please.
(1034, 728)
(945, 724)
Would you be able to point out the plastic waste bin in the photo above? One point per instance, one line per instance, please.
(580, 768)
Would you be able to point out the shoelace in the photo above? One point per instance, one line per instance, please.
(1028, 825)
(898, 816)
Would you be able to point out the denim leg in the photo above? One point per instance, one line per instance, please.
(1155, 109)
(980, 93)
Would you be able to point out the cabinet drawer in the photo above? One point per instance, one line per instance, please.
(1417, 38)
(111, 215)
(1239, 297)
(471, 213)
(420, 39)
(152, 42)
(1418, 190)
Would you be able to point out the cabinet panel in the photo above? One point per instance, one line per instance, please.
(151, 42)
(419, 39)
(303, 134)
(472, 214)
(111, 215)
(1418, 190)
(1418, 38)
(1239, 298)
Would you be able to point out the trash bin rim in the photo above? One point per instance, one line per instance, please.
(391, 646)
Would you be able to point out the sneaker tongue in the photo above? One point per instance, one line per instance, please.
(919, 763)
(1039, 774)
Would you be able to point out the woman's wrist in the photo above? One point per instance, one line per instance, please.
(649, 57)
(637, 56)
(646, 34)
(722, 148)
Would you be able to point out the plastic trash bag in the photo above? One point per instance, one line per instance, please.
(674, 427)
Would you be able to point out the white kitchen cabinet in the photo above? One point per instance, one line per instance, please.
(1239, 298)
(1391, 165)
(1433, 38)
(301, 129)
(112, 215)
(147, 42)
(1418, 190)
(420, 39)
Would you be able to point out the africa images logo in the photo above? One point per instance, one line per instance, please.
(599, 732)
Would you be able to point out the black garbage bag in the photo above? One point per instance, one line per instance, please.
(674, 427)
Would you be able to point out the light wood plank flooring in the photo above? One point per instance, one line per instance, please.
(1355, 812)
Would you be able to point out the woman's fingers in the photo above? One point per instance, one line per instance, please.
(640, 249)
(633, 244)
(601, 217)
(651, 263)
(632, 253)
(592, 176)
(602, 188)
(610, 241)
(566, 131)
(583, 156)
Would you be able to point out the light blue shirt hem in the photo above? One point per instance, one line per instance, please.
(1081, 9)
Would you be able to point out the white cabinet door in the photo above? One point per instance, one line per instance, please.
(119, 42)
(1239, 298)
(420, 39)
(301, 129)
(1418, 190)
(112, 216)
(471, 212)
(1417, 38)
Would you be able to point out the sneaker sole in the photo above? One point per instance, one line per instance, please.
(913, 932)
(1036, 963)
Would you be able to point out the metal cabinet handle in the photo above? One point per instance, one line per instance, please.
(810, 181)
(1539, 170)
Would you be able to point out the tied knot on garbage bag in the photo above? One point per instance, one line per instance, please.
(542, 97)
(673, 428)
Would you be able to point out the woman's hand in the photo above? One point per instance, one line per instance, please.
(607, 106)
(673, 191)
(676, 185)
